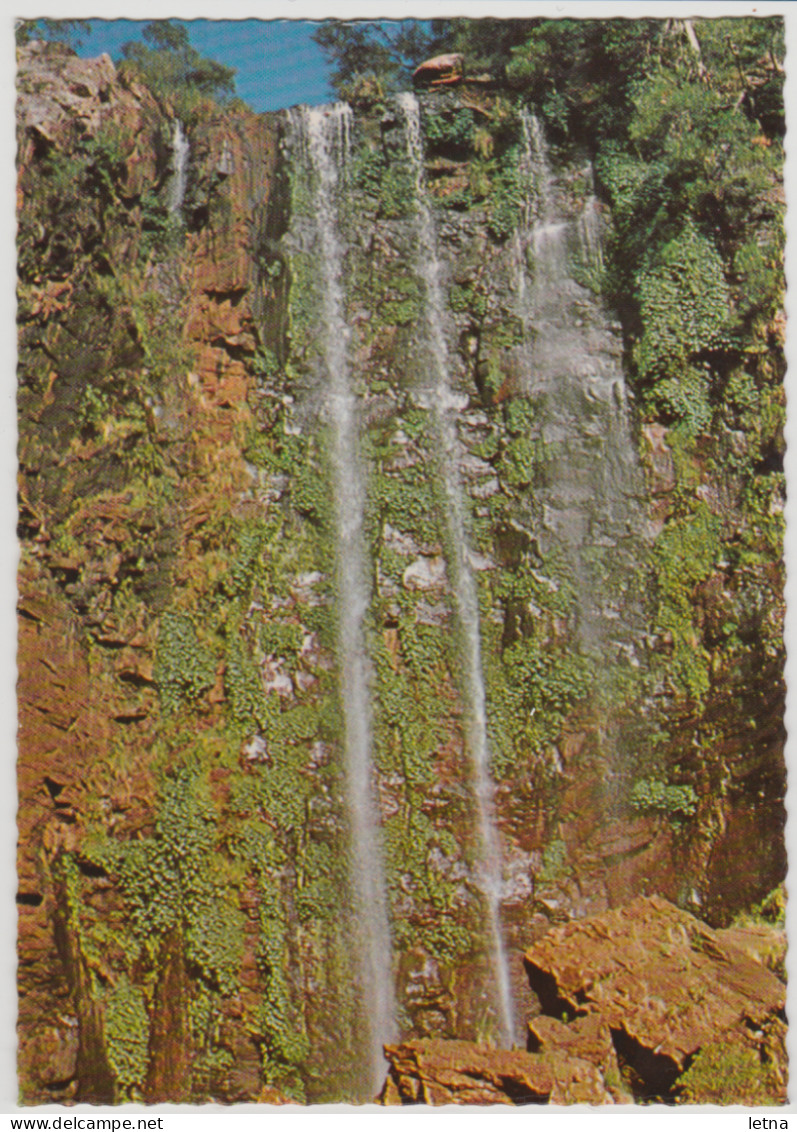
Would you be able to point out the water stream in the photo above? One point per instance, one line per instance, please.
(442, 403)
(588, 501)
(180, 153)
(325, 132)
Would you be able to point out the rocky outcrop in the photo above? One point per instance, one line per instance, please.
(664, 983)
(438, 1072)
(234, 160)
(631, 1000)
(137, 334)
(440, 71)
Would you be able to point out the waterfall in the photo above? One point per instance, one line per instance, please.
(574, 373)
(180, 152)
(325, 135)
(442, 403)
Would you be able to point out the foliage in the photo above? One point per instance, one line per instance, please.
(683, 303)
(663, 797)
(57, 31)
(726, 1073)
(382, 52)
(184, 669)
(554, 866)
(177, 879)
(175, 70)
(127, 1036)
(448, 128)
(278, 1027)
(684, 556)
(507, 198)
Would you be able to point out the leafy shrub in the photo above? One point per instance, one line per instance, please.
(684, 305)
(507, 197)
(127, 1035)
(652, 794)
(449, 128)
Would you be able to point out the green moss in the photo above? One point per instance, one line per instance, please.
(404, 306)
(127, 1037)
(278, 1025)
(684, 556)
(725, 1073)
(184, 669)
(178, 879)
(652, 794)
(243, 684)
(507, 198)
(684, 305)
(468, 298)
(385, 180)
(554, 867)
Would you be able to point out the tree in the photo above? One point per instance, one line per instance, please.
(386, 51)
(59, 31)
(174, 69)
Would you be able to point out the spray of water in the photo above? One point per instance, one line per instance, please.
(443, 404)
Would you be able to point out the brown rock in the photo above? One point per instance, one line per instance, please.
(458, 1072)
(439, 71)
(588, 1038)
(664, 982)
(767, 945)
(660, 461)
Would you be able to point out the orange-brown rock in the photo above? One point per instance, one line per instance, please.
(588, 1038)
(235, 156)
(63, 98)
(664, 982)
(457, 1072)
(439, 71)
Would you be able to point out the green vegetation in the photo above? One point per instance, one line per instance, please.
(55, 31)
(184, 669)
(651, 794)
(175, 70)
(127, 1035)
(726, 1073)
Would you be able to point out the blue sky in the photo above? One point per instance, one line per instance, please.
(277, 62)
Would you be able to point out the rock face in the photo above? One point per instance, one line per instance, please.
(90, 527)
(442, 70)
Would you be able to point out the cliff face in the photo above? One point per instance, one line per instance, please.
(135, 365)
(189, 923)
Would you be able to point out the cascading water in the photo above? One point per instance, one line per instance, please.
(180, 153)
(574, 374)
(325, 137)
(440, 400)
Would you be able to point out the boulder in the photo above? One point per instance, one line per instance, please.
(664, 982)
(425, 573)
(439, 71)
(436, 1071)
